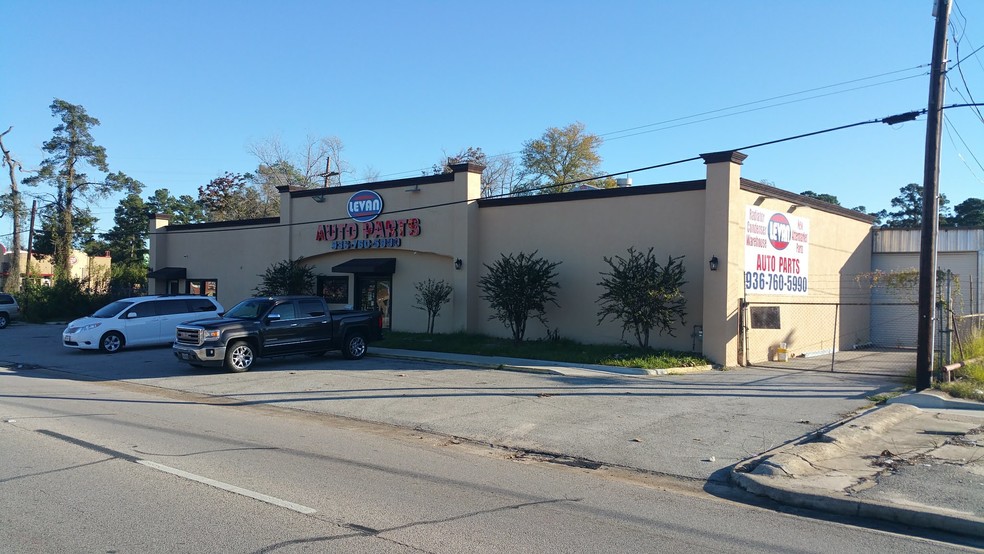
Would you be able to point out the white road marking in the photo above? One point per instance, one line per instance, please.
(227, 487)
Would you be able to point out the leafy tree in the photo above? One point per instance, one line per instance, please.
(12, 203)
(969, 213)
(287, 277)
(831, 199)
(561, 156)
(431, 295)
(128, 237)
(518, 288)
(909, 205)
(183, 210)
(497, 177)
(70, 150)
(828, 198)
(879, 216)
(231, 198)
(84, 236)
(643, 294)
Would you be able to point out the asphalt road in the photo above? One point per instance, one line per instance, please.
(692, 426)
(113, 466)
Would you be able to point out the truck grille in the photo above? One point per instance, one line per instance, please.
(189, 335)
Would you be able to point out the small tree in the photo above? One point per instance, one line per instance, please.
(430, 296)
(287, 277)
(643, 294)
(519, 287)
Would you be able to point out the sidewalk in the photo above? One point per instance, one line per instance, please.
(918, 460)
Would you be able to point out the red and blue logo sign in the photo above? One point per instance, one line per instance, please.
(365, 205)
(780, 231)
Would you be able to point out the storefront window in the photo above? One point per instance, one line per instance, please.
(202, 287)
(335, 290)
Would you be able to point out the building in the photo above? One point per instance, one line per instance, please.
(960, 253)
(370, 244)
(95, 269)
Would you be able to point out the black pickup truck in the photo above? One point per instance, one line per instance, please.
(275, 326)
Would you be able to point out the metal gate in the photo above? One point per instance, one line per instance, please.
(847, 337)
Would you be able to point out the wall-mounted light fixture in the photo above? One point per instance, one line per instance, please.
(713, 263)
(458, 263)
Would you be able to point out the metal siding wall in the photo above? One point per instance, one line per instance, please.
(895, 326)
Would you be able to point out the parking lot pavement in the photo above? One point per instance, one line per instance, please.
(794, 436)
(694, 426)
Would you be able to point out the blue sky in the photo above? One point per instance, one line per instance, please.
(183, 88)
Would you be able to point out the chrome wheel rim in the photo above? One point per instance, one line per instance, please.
(242, 357)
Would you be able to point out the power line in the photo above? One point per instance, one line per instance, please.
(736, 106)
(956, 45)
(951, 128)
(908, 116)
(781, 96)
(761, 108)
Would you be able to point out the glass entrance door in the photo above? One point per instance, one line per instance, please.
(372, 292)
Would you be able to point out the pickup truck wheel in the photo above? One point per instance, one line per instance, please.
(111, 343)
(239, 357)
(354, 347)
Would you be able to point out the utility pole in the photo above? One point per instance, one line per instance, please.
(30, 243)
(931, 202)
(328, 174)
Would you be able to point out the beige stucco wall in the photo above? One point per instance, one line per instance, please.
(234, 255)
(696, 220)
(839, 251)
(579, 234)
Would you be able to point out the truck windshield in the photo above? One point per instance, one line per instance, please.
(253, 308)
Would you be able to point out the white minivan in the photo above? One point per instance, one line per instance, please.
(138, 321)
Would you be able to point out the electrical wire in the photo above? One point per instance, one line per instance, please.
(728, 108)
(889, 119)
(950, 130)
(959, 68)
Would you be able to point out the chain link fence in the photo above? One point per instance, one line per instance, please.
(875, 332)
(848, 337)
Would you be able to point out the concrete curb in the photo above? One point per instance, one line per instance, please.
(535, 366)
(968, 525)
(774, 474)
(935, 400)
(480, 365)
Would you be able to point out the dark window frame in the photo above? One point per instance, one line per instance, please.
(203, 287)
(335, 289)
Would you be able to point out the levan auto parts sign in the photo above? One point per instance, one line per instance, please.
(777, 252)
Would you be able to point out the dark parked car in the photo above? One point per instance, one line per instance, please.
(275, 326)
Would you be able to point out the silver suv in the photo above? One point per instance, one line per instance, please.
(8, 309)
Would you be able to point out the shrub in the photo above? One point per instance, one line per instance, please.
(518, 288)
(286, 277)
(643, 294)
(431, 295)
(64, 300)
